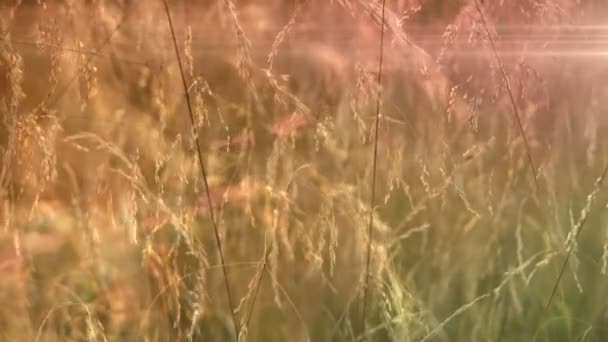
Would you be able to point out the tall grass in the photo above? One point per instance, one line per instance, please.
(370, 230)
(222, 171)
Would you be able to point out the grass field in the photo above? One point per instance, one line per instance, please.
(254, 171)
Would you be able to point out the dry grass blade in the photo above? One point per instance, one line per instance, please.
(263, 268)
(370, 228)
(514, 107)
(280, 38)
(63, 91)
(203, 170)
(577, 231)
(390, 21)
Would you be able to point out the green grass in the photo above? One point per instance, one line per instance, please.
(105, 227)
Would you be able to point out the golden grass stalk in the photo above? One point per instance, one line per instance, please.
(514, 107)
(370, 229)
(571, 244)
(203, 169)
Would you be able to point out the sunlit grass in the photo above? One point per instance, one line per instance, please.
(107, 230)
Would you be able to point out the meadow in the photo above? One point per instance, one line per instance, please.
(306, 170)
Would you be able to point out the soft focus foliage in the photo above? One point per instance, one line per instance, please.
(105, 229)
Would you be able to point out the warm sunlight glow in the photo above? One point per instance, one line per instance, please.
(271, 170)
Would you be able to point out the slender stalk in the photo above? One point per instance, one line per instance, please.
(203, 170)
(370, 229)
(514, 107)
(263, 269)
(579, 227)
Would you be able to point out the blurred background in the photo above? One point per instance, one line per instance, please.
(491, 141)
